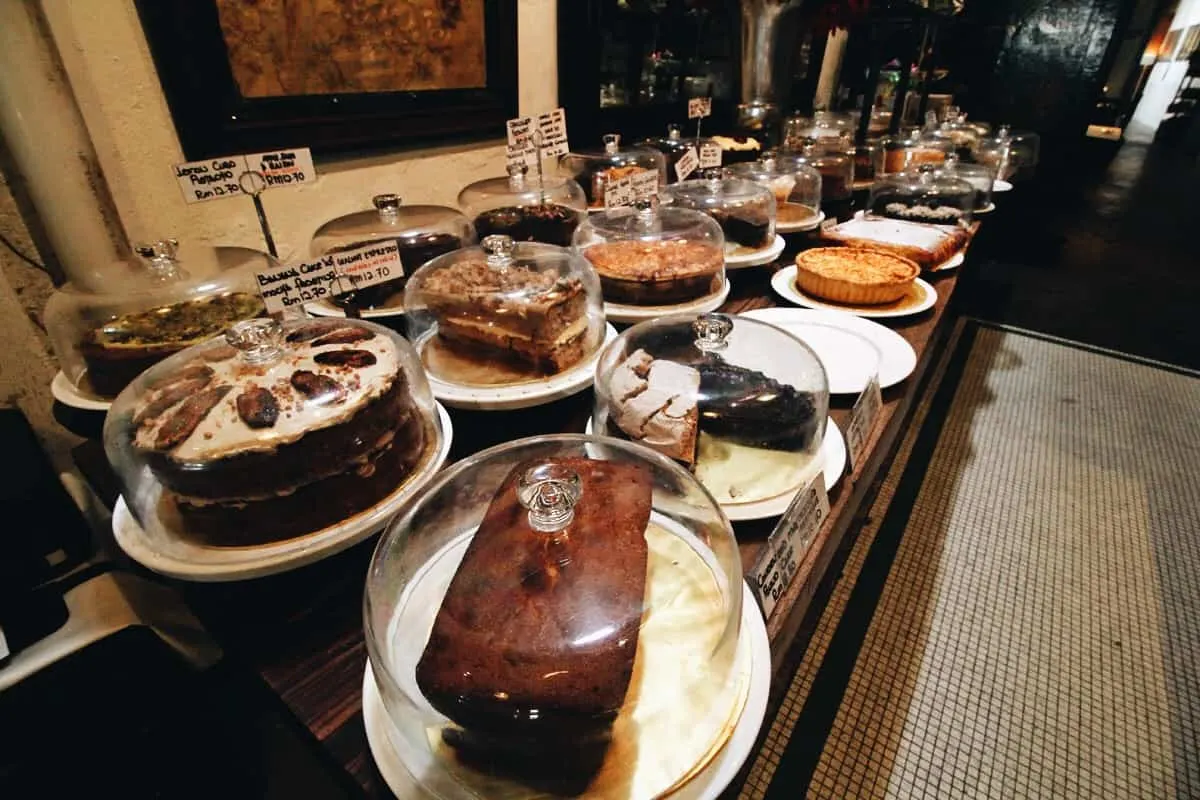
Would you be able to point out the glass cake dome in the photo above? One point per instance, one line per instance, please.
(830, 131)
(171, 297)
(526, 207)
(837, 176)
(555, 617)
(745, 210)
(740, 403)
(504, 313)
(980, 176)
(927, 195)
(647, 256)
(1012, 154)
(911, 148)
(795, 185)
(595, 169)
(673, 147)
(421, 232)
(275, 431)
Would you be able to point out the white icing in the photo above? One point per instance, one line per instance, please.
(738, 473)
(659, 409)
(223, 433)
(911, 234)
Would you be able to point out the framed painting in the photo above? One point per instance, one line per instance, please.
(333, 75)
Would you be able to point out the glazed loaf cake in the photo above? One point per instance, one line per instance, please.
(534, 643)
(928, 245)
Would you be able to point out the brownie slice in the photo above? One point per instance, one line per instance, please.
(534, 643)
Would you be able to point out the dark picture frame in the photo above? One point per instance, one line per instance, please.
(212, 118)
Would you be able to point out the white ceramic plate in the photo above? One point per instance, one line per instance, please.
(708, 783)
(616, 312)
(1002, 186)
(522, 395)
(197, 562)
(954, 262)
(846, 362)
(801, 226)
(68, 394)
(784, 284)
(989, 208)
(324, 308)
(757, 258)
(832, 463)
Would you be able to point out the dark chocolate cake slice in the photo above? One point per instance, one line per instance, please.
(748, 407)
(548, 223)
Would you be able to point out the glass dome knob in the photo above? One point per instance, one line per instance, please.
(258, 340)
(160, 258)
(612, 141)
(388, 205)
(711, 331)
(674, 133)
(550, 492)
(1005, 132)
(499, 249)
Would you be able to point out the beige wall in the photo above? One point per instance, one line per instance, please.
(109, 66)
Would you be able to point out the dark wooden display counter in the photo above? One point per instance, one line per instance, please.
(302, 631)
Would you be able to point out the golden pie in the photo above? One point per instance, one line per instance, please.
(854, 275)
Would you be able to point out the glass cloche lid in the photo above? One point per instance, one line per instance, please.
(911, 148)
(673, 146)
(980, 176)
(556, 617)
(647, 256)
(169, 297)
(927, 195)
(421, 232)
(526, 207)
(1011, 153)
(271, 432)
(595, 169)
(740, 403)
(795, 185)
(745, 210)
(504, 313)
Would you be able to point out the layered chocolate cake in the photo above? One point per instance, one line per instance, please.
(515, 313)
(663, 404)
(253, 450)
(653, 273)
(548, 223)
(744, 229)
(532, 650)
(414, 252)
(123, 348)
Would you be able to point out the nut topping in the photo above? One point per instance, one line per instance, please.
(192, 371)
(346, 335)
(346, 358)
(183, 421)
(318, 388)
(171, 394)
(221, 352)
(257, 407)
(312, 330)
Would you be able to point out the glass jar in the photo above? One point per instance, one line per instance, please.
(525, 208)
(744, 209)
(796, 186)
(595, 170)
(555, 617)
(271, 432)
(910, 149)
(168, 299)
(927, 195)
(649, 256)
(740, 403)
(673, 147)
(837, 177)
(421, 232)
(504, 313)
(980, 176)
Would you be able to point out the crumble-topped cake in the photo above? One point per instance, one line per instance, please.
(854, 275)
(658, 272)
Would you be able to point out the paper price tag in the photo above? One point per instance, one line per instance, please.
(368, 265)
(687, 164)
(553, 127)
(521, 155)
(631, 189)
(789, 542)
(829, 224)
(218, 178)
(299, 283)
(862, 421)
(710, 155)
(520, 130)
(699, 107)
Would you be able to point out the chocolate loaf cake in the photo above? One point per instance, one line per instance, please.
(325, 429)
(123, 348)
(533, 646)
(519, 314)
(657, 272)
